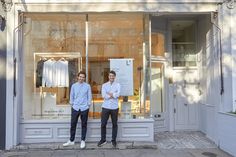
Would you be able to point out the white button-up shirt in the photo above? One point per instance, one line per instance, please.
(114, 88)
(80, 96)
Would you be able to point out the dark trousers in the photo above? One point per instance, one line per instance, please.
(105, 117)
(74, 120)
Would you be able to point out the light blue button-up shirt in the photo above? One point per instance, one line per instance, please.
(114, 88)
(80, 96)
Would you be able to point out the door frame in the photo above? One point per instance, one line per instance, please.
(161, 119)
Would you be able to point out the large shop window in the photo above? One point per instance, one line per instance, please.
(55, 51)
(115, 42)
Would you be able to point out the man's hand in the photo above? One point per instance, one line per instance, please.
(110, 94)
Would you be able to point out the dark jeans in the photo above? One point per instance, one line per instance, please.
(105, 117)
(74, 120)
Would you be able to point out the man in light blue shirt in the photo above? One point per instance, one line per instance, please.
(80, 100)
(110, 94)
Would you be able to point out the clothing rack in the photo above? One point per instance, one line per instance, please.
(48, 55)
(71, 55)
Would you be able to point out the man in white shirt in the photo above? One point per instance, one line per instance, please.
(110, 94)
(80, 99)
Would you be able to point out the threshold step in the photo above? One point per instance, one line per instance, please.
(89, 145)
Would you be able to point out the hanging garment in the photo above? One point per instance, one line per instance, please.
(61, 73)
(49, 79)
(39, 73)
(73, 71)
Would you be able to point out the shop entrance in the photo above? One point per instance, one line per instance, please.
(185, 74)
(186, 96)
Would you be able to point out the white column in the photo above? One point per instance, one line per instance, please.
(233, 51)
(9, 85)
(224, 18)
(12, 105)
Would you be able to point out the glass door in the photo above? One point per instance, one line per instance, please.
(157, 74)
(157, 92)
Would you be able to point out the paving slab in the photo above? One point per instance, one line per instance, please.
(209, 153)
(91, 153)
(134, 153)
(144, 145)
(39, 153)
(64, 153)
(176, 153)
(14, 154)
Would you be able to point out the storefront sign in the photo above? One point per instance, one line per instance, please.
(124, 74)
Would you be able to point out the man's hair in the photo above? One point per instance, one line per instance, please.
(112, 72)
(82, 72)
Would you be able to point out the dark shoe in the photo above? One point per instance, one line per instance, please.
(114, 144)
(101, 143)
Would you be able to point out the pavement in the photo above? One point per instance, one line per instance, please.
(167, 144)
(124, 149)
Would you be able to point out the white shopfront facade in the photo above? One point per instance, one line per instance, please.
(181, 78)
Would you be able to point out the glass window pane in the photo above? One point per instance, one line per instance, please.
(53, 46)
(157, 84)
(158, 44)
(183, 43)
(115, 36)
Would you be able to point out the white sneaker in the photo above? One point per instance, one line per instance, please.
(82, 144)
(68, 143)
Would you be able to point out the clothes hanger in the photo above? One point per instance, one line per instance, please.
(62, 59)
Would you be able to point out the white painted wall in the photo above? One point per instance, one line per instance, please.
(233, 51)
(10, 125)
(227, 122)
(212, 123)
(227, 129)
(121, 5)
(225, 19)
(209, 74)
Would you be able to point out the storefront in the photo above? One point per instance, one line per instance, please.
(59, 45)
(56, 46)
(158, 52)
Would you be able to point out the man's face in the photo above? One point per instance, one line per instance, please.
(111, 77)
(81, 78)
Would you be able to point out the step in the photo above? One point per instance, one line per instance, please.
(89, 145)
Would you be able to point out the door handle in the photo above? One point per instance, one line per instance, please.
(185, 104)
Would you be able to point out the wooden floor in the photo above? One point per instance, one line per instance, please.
(182, 140)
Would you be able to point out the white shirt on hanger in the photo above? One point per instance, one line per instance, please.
(48, 73)
(62, 73)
